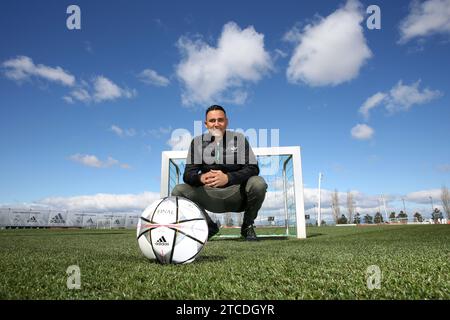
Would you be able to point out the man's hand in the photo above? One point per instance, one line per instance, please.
(205, 176)
(214, 179)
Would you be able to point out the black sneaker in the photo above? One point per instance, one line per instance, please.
(213, 229)
(248, 232)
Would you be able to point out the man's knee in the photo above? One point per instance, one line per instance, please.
(256, 185)
(181, 190)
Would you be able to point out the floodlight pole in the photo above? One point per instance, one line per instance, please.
(319, 213)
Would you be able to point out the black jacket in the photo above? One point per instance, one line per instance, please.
(232, 155)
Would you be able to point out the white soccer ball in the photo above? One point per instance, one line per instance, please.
(172, 230)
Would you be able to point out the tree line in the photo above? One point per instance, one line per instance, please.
(356, 218)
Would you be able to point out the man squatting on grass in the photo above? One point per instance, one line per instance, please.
(221, 174)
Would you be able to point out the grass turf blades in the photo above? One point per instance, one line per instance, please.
(330, 264)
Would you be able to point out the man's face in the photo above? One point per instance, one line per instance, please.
(216, 122)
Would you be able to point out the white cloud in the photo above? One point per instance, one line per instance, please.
(279, 54)
(294, 35)
(82, 95)
(117, 130)
(68, 99)
(222, 73)
(23, 68)
(425, 18)
(273, 200)
(180, 139)
(151, 77)
(403, 97)
(400, 98)
(330, 51)
(103, 89)
(423, 196)
(371, 103)
(93, 161)
(278, 183)
(103, 202)
(123, 132)
(362, 132)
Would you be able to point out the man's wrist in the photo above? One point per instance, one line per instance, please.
(198, 180)
(229, 179)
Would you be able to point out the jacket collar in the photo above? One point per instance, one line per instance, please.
(210, 138)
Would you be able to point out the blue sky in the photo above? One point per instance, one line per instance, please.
(86, 113)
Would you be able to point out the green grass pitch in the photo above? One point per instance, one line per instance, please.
(330, 264)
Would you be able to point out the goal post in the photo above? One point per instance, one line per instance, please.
(282, 213)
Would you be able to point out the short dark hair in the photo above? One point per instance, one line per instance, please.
(215, 107)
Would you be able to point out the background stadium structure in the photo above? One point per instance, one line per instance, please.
(283, 208)
(34, 218)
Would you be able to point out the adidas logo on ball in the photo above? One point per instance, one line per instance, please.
(162, 242)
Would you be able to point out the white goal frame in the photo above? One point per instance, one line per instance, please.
(294, 152)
